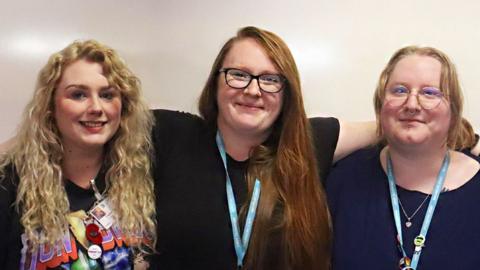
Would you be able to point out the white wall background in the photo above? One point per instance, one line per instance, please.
(340, 46)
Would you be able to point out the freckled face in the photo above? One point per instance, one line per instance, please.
(410, 124)
(248, 111)
(87, 109)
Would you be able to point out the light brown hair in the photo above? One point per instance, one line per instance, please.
(459, 135)
(292, 207)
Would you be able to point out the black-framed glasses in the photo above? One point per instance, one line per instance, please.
(427, 97)
(239, 79)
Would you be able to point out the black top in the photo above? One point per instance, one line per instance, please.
(10, 244)
(14, 255)
(364, 227)
(193, 223)
(194, 230)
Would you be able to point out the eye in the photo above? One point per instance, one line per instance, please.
(399, 90)
(431, 92)
(271, 79)
(78, 94)
(239, 74)
(108, 94)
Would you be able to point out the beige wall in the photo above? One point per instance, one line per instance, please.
(340, 46)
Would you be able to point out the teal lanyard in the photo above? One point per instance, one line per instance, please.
(419, 240)
(241, 245)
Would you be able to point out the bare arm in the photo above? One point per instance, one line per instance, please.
(354, 136)
(5, 146)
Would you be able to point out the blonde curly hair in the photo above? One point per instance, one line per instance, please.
(38, 152)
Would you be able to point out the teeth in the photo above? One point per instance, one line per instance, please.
(92, 124)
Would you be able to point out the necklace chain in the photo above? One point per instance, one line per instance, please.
(408, 223)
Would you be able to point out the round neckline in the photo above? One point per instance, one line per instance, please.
(235, 163)
(444, 192)
(99, 182)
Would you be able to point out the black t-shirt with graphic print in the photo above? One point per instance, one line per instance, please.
(69, 253)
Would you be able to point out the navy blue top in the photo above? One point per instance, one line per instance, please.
(364, 228)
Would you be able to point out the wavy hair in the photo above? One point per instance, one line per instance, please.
(292, 206)
(38, 152)
(460, 134)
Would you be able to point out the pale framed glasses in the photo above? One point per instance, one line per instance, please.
(239, 79)
(427, 97)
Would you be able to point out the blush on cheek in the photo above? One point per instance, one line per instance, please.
(386, 122)
(386, 106)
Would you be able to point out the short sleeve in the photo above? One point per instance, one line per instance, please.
(325, 131)
(9, 223)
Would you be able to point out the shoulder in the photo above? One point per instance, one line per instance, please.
(463, 168)
(325, 132)
(9, 181)
(325, 124)
(353, 178)
(464, 162)
(10, 223)
(470, 152)
(177, 130)
(465, 157)
(171, 124)
(8, 189)
(357, 163)
(167, 117)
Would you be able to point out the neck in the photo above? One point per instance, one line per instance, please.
(415, 170)
(80, 166)
(239, 145)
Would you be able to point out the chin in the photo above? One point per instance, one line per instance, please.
(251, 127)
(95, 142)
(245, 122)
(412, 140)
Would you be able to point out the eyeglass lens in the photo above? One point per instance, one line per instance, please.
(240, 79)
(428, 97)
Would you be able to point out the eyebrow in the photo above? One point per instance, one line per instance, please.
(395, 84)
(263, 72)
(84, 87)
(76, 86)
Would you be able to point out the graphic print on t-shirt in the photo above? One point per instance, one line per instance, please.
(71, 251)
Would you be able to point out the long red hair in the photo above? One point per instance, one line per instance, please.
(292, 209)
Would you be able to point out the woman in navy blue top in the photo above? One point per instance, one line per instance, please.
(412, 203)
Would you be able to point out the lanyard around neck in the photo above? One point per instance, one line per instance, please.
(97, 193)
(241, 245)
(419, 241)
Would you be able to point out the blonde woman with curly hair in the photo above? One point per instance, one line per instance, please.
(76, 189)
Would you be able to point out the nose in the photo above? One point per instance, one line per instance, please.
(412, 103)
(253, 88)
(95, 106)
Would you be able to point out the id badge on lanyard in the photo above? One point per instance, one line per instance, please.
(101, 211)
(240, 244)
(405, 262)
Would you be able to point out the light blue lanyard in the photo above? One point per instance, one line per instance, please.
(419, 241)
(240, 245)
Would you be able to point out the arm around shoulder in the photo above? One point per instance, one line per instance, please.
(5, 146)
(354, 136)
